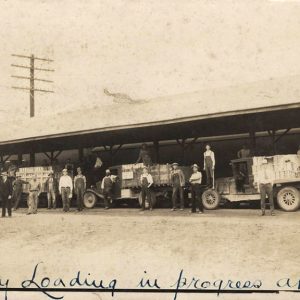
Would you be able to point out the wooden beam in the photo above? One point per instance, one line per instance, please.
(58, 154)
(283, 134)
(47, 155)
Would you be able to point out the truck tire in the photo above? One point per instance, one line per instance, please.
(210, 199)
(153, 196)
(89, 199)
(288, 198)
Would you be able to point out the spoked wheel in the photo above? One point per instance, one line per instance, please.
(288, 198)
(89, 199)
(210, 199)
(153, 197)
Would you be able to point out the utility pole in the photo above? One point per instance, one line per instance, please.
(32, 78)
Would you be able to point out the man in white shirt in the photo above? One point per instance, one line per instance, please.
(209, 165)
(65, 189)
(146, 183)
(195, 181)
(264, 179)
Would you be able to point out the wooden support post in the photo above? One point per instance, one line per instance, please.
(80, 154)
(20, 159)
(32, 159)
(156, 148)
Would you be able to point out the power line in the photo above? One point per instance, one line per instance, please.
(32, 78)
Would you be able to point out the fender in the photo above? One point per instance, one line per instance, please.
(96, 193)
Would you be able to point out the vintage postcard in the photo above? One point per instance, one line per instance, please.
(150, 149)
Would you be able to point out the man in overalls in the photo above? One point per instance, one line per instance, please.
(107, 186)
(209, 165)
(79, 187)
(146, 182)
(178, 182)
(17, 191)
(51, 187)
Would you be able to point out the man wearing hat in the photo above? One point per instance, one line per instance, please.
(195, 181)
(51, 186)
(264, 180)
(178, 182)
(146, 183)
(79, 188)
(107, 186)
(65, 189)
(6, 190)
(17, 191)
(33, 197)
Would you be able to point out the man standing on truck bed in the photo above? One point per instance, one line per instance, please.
(209, 166)
(144, 156)
(264, 179)
(79, 188)
(33, 197)
(178, 182)
(106, 186)
(65, 189)
(146, 183)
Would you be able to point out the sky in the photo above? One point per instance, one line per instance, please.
(146, 49)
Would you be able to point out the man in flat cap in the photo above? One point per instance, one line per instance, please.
(178, 182)
(65, 189)
(107, 186)
(33, 197)
(195, 181)
(6, 190)
(264, 180)
(79, 188)
(51, 187)
(17, 191)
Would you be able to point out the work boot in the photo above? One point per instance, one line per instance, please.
(181, 209)
(272, 213)
(173, 209)
(263, 213)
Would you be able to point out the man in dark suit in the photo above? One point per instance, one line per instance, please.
(6, 190)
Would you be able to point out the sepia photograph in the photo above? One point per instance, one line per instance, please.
(150, 150)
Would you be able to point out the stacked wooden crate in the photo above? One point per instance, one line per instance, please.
(27, 173)
(131, 174)
(282, 166)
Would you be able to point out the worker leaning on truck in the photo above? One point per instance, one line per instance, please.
(146, 183)
(79, 188)
(65, 189)
(178, 182)
(264, 180)
(107, 186)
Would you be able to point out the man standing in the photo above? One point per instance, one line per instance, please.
(106, 186)
(17, 191)
(264, 180)
(244, 152)
(195, 182)
(65, 189)
(146, 183)
(51, 186)
(79, 188)
(144, 156)
(209, 166)
(178, 182)
(6, 191)
(33, 197)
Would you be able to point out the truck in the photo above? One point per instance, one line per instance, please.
(127, 189)
(242, 185)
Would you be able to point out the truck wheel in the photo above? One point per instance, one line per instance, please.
(288, 198)
(210, 199)
(153, 196)
(89, 200)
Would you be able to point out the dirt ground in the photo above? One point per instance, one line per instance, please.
(123, 243)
